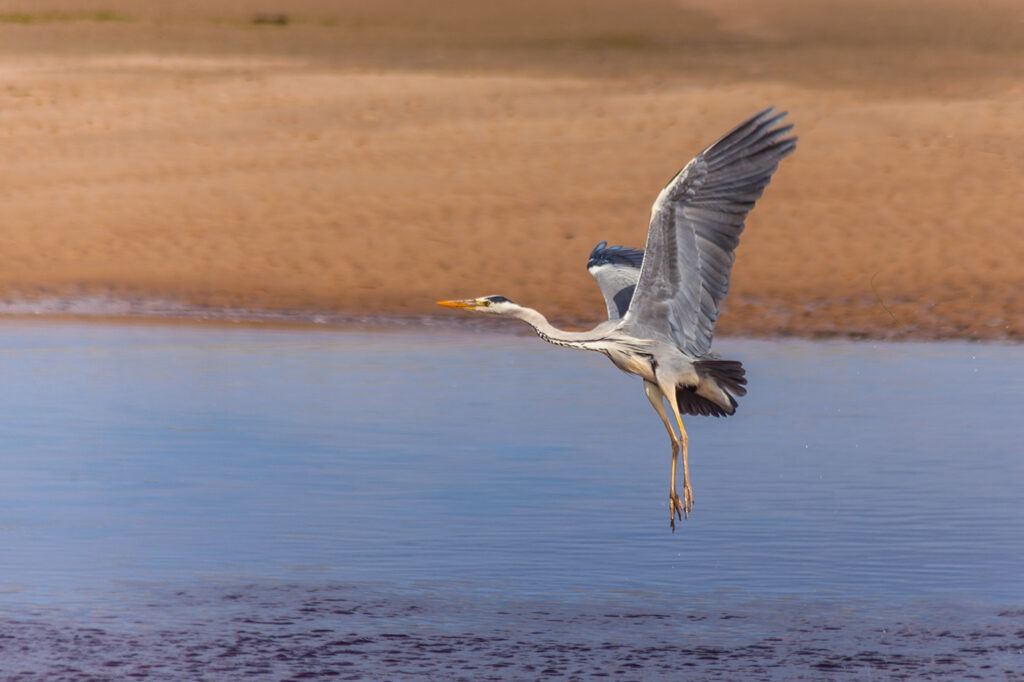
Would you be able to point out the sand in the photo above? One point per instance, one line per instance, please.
(369, 158)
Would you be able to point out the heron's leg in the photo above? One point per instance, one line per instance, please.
(684, 441)
(655, 395)
(675, 505)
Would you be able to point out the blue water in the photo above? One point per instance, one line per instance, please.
(225, 491)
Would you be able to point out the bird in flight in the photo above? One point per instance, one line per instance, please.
(663, 301)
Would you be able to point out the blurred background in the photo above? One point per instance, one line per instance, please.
(370, 157)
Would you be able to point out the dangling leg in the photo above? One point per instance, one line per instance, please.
(675, 506)
(684, 441)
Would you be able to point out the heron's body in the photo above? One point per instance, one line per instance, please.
(631, 355)
(663, 302)
(653, 360)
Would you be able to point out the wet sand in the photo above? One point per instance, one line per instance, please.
(368, 158)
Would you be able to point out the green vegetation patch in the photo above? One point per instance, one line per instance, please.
(59, 17)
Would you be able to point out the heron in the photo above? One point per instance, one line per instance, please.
(663, 301)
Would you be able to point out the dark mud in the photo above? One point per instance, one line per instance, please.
(355, 633)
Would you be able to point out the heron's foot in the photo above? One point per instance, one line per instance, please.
(680, 508)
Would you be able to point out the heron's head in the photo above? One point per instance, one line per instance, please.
(492, 305)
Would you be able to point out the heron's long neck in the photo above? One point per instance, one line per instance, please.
(553, 334)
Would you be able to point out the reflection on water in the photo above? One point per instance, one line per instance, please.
(277, 493)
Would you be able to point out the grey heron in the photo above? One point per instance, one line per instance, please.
(663, 302)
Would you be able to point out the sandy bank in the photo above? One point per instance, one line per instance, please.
(371, 158)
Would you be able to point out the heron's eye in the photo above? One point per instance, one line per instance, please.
(486, 302)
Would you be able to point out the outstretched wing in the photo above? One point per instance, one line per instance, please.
(696, 223)
(616, 269)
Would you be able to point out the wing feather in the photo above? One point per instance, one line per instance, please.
(616, 269)
(695, 228)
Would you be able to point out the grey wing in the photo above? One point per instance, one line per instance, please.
(616, 269)
(696, 223)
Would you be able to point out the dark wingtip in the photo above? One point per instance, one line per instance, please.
(615, 255)
(598, 250)
(761, 131)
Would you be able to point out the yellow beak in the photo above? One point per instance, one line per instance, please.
(471, 303)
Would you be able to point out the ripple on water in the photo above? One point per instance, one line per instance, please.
(364, 632)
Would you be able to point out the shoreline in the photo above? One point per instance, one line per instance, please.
(136, 310)
(364, 160)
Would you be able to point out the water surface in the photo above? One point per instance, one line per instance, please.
(238, 503)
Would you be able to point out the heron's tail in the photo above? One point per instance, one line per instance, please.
(722, 381)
